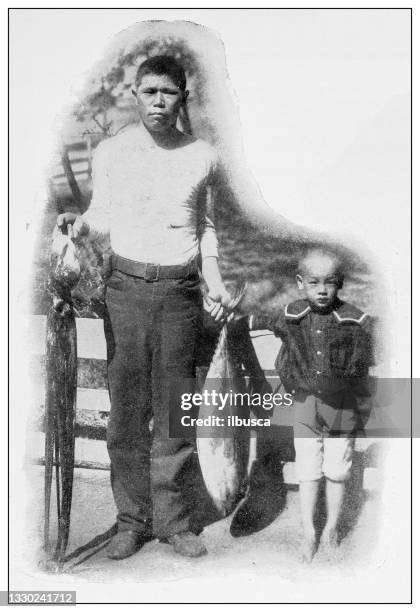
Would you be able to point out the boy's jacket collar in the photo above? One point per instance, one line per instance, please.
(343, 312)
(297, 310)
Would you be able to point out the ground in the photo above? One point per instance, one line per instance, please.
(269, 557)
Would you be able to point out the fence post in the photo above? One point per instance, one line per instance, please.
(74, 187)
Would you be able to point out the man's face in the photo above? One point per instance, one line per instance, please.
(319, 281)
(159, 101)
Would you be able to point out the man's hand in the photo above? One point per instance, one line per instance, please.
(69, 218)
(220, 294)
(217, 303)
(215, 309)
(217, 299)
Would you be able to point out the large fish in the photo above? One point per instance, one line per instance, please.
(61, 387)
(223, 449)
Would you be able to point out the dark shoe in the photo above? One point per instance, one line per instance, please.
(187, 544)
(265, 500)
(125, 543)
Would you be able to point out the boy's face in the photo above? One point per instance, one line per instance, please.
(159, 101)
(319, 281)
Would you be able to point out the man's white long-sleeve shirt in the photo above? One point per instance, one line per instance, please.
(152, 200)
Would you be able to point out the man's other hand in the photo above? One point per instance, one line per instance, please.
(69, 218)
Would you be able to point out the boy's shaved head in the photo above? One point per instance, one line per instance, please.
(321, 262)
(319, 278)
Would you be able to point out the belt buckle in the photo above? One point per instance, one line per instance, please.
(153, 275)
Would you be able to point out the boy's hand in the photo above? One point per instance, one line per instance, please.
(76, 221)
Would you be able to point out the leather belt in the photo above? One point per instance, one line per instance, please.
(152, 272)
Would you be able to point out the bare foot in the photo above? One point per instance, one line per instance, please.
(330, 539)
(309, 548)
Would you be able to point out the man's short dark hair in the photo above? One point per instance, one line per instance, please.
(162, 65)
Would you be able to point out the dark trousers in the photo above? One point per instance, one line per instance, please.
(151, 331)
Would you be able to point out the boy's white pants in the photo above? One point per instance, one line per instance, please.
(329, 457)
(324, 436)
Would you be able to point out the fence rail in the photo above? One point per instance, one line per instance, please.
(93, 403)
(79, 155)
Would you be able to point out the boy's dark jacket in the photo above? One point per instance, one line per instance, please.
(347, 354)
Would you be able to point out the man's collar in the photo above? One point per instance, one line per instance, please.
(144, 138)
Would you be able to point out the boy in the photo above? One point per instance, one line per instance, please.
(152, 190)
(324, 361)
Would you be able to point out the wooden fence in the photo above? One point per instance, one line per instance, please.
(93, 400)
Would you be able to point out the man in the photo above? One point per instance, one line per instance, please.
(152, 188)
